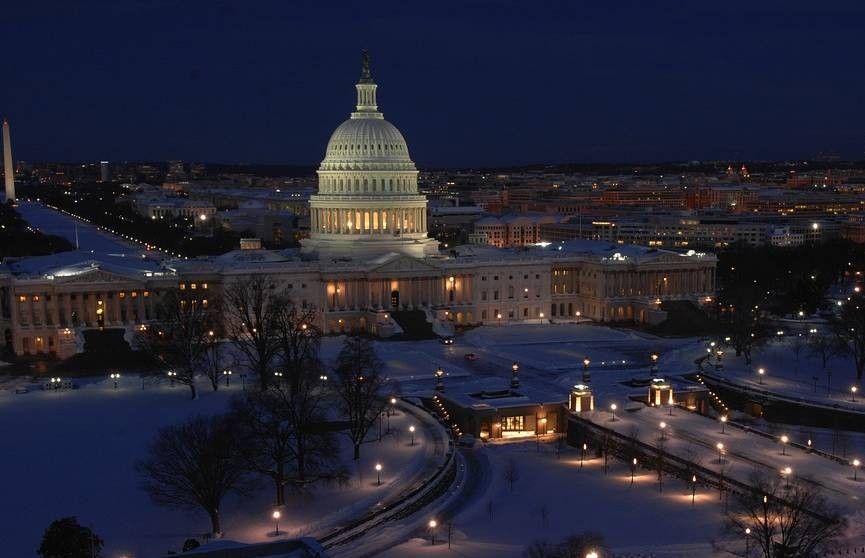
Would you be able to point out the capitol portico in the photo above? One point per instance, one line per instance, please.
(368, 260)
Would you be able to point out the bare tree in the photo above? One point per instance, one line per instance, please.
(826, 347)
(783, 521)
(849, 327)
(359, 385)
(194, 465)
(299, 340)
(511, 473)
(578, 546)
(798, 344)
(214, 363)
(252, 307)
(183, 336)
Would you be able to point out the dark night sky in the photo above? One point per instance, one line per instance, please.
(468, 83)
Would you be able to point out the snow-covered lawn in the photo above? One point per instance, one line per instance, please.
(804, 377)
(89, 237)
(73, 453)
(632, 518)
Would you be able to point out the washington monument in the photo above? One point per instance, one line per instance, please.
(7, 163)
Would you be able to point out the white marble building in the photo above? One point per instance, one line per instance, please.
(368, 258)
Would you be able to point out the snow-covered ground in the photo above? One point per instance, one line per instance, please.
(73, 453)
(633, 518)
(88, 236)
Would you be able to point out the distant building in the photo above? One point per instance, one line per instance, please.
(105, 174)
(509, 231)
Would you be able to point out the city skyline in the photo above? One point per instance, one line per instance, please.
(490, 84)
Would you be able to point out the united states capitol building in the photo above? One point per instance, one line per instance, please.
(368, 259)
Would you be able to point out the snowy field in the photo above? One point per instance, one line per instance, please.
(107, 431)
(634, 518)
(73, 453)
(49, 221)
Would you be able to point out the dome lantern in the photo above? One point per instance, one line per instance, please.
(366, 103)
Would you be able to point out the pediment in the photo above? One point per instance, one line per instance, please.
(94, 275)
(404, 264)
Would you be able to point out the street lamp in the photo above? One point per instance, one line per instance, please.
(720, 447)
(853, 390)
(276, 516)
(515, 369)
(278, 375)
(654, 357)
(432, 531)
(115, 376)
(693, 489)
(592, 554)
(662, 426)
(633, 469)
(856, 464)
(440, 374)
(613, 408)
(583, 455)
(784, 440)
(227, 374)
(747, 541)
(378, 472)
(723, 423)
(718, 354)
(171, 375)
(760, 373)
(787, 471)
(586, 376)
(411, 429)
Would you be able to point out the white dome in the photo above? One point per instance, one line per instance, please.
(365, 141)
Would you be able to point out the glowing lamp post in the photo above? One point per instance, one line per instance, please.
(633, 469)
(586, 376)
(440, 374)
(276, 516)
(720, 448)
(227, 374)
(583, 455)
(432, 531)
(718, 355)
(411, 430)
(278, 375)
(591, 554)
(115, 376)
(787, 471)
(662, 427)
(515, 370)
(856, 464)
(378, 472)
(760, 373)
(171, 375)
(723, 423)
(613, 408)
(784, 440)
(747, 541)
(391, 411)
(654, 357)
(693, 489)
(853, 390)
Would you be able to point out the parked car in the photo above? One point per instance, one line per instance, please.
(471, 356)
(446, 340)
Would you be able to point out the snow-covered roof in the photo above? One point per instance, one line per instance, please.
(79, 261)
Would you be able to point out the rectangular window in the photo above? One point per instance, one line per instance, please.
(513, 424)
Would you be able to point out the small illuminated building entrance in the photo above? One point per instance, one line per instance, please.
(504, 413)
(660, 393)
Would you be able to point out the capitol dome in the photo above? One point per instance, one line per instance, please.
(367, 202)
(366, 141)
